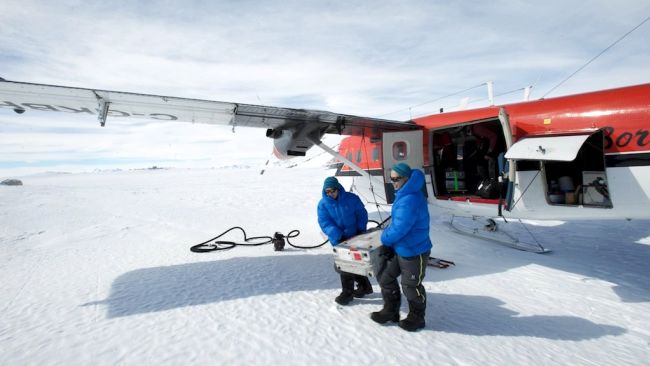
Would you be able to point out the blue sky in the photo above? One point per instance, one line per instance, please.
(375, 58)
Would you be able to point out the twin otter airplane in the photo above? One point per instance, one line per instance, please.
(584, 156)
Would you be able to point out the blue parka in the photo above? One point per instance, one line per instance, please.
(343, 217)
(408, 233)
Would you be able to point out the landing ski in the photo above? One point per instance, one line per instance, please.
(492, 232)
(439, 263)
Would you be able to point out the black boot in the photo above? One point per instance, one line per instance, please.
(415, 319)
(344, 298)
(347, 285)
(390, 311)
(364, 287)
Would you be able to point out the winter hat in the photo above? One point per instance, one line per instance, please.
(331, 182)
(402, 169)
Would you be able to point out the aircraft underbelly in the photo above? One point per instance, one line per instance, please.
(629, 189)
(466, 208)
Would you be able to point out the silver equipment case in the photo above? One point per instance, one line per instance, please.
(359, 254)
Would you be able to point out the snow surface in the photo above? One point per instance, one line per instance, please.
(96, 270)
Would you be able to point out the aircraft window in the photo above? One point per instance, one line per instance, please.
(375, 154)
(348, 156)
(399, 150)
(359, 156)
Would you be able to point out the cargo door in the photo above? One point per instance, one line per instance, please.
(401, 147)
(572, 166)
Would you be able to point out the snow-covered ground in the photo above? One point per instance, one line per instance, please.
(96, 270)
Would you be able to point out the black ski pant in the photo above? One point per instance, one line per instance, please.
(348, 280)
(412, 271)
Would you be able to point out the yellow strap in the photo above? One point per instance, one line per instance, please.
(420, 277)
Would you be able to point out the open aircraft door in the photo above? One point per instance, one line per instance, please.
(401, 147)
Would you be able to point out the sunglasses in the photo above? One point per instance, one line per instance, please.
(330, 191)
(396, 179)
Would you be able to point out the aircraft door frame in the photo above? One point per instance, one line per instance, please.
(512, 164)
(401, 147)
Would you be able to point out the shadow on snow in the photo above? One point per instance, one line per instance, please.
(604, 250)
(485, 316)
(165, 288)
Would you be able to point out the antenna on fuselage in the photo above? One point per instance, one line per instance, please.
(490, 91)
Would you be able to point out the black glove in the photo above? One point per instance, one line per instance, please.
(386, 252)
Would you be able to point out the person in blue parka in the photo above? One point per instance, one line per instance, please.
(406, 247)
(342, 215)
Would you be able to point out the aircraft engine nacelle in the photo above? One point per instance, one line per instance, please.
(292, 142)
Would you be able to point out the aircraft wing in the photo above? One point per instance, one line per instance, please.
(294, 129)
